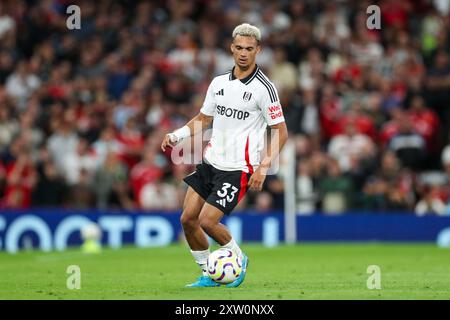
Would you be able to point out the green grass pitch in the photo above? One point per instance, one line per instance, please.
(303, 271)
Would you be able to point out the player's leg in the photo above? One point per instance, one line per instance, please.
(194, 234)
(210, 218)
(229, 187)
(192, 207)
(198, 191)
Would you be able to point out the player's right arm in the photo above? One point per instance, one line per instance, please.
(200, 122)
(204, 117)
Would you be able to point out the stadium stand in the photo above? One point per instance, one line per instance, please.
(82, 112)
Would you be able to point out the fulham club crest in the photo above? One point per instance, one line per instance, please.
(247, 96)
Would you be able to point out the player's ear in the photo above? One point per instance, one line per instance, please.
(232, 47)
(258, 46)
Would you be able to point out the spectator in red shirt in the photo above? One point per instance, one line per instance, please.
(395, 13)
(425, 121)
(362, 122)
(149, 170)
(20, 180)
(330, 112)
(390, 128)
(132, 142)
(349, 71)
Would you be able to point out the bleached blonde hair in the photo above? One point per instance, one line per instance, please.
(247, 30)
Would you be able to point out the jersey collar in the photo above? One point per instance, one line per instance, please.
(248, 78)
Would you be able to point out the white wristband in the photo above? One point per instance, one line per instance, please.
(182, 133)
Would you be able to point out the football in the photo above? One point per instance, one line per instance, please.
(224, 266)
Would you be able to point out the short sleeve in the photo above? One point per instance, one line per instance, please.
(270, 105)
(209, 105)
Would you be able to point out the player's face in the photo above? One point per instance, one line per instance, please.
(244, 51)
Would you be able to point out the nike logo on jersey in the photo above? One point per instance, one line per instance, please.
(232, 113)
(219, 93)
(222, 202)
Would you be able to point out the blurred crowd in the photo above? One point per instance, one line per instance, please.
(83, 112)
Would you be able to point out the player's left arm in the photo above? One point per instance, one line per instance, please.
(276, 144)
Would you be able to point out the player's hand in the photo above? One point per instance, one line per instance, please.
(169, 141)
(257, 180)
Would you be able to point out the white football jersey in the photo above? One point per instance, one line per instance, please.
(242, 110)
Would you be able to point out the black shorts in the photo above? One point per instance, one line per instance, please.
(221, 189)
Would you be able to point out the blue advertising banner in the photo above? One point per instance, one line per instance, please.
(371, 226)
(58, 229)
